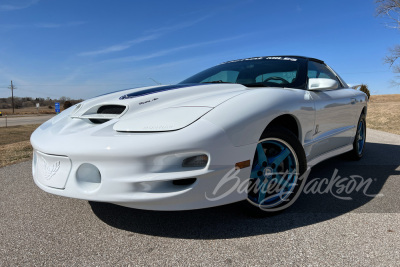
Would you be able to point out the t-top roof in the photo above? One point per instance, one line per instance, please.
(285, 57)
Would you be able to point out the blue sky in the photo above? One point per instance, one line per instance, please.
(81, 49)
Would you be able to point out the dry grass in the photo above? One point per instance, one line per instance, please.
(15, 134)
(15, 153)
(14, 144)
(28, 111)
(384, 98)
(384, 113)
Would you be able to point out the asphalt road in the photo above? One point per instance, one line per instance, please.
(37, 228)
(23, 120)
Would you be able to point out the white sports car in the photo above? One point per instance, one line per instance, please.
(220, 136)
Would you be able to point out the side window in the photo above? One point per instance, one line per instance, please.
(318, 70)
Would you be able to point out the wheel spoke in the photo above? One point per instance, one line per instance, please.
(284, 182)
(262, 192)
(360, 137)
(290, 178)
(268, 168)
(360, 131)
(279, 179)
(280, 157)
(261, 154)
(254, 171)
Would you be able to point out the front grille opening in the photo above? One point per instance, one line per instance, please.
(187, 181)
(108, 109)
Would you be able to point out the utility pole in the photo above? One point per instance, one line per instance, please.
(12, 87)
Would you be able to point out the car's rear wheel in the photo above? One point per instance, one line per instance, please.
(359, 140)
(279, 161)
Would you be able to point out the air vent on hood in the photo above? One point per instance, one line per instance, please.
(111, 109)
(101, 114)
(108, 110)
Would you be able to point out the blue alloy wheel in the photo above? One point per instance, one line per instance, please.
(360, 137)
(274, 173)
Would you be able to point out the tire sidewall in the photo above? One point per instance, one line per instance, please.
(355, 144)
(296, 147)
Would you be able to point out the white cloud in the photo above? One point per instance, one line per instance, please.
(58, 25)
(172, 50)
(166, 29)
(152, 35)
(16, 5)
(120, 47)
(47, 25)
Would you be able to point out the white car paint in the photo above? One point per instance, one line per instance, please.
(139, 152)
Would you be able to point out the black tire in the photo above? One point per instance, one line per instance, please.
(288, 139)
(357, 153)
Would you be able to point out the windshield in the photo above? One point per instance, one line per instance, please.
(256, 72)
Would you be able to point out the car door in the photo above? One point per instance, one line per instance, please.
(334, 121)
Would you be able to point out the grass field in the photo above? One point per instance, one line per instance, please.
(14, 144)
(28, 111)
(383, 114)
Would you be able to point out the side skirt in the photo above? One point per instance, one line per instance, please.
(329, 154)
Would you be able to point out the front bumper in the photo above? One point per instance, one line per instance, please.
(138, 169)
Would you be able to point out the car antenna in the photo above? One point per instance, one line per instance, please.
(155, 81)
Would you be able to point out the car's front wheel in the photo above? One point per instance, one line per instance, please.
(279, 161)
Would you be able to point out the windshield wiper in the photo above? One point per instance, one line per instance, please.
(256, 85)
(216, 82)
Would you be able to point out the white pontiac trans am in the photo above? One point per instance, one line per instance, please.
(253, 124)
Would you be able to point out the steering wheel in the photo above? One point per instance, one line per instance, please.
(276, 78)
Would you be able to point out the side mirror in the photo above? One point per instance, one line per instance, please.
(322, 84)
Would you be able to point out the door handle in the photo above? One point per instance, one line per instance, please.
(353, 101)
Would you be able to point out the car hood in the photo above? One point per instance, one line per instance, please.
(157, 108)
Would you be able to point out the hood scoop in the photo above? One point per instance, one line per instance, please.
(111, 109)
(103, 113)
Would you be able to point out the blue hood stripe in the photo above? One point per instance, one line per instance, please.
(157, 90)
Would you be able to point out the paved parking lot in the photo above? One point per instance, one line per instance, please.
(23, 120)
(37, 228)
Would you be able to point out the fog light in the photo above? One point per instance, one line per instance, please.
(195, 161)
(88, 177)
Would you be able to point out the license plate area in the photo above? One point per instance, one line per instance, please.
(51, 170)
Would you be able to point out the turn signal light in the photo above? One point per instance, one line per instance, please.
(243, 164)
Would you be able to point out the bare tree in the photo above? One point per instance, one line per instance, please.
(390, 9)
(394, 54)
